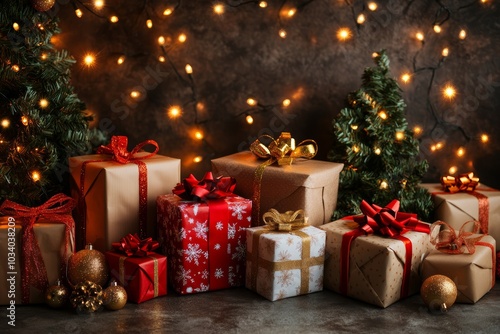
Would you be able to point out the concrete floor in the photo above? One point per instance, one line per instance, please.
(242, 311)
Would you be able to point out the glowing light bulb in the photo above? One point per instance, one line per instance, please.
(460, 152)
(251, 101)
(439, 145)
(78, 13)
(188, 69)
(437, 28)
(291, 12)
(462, 35)
(219, 8)
(354, 127)
(43, 56)
(433, 148)
(375, 55)
(420, 36)
(384, 184)
(174, 112)
(286, 102)
(113, 19)
(417, 130)
(198, 159)
(249, 119)
(449, 91)
(263, 4)
(5, 123)
(485, 138)
(149, 23)
(161, 40)
(15, 26)
(89, 59)
(400, 135)
(35, 176)
(24, 120)
(377, 151)
(15, 68)
(405, 77)
(361, 19)
(120, 60)
(135, 94)
(372, 6)
(182, 38)
(167, 11)
(161, 59)
(445, 52)
(43, 103)
(282, 33)
(382, 114)
(99, 4)
(343, 34)
(452, 170)
(200, 106)
(355, 149)
(198, 135)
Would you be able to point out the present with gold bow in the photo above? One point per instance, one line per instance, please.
(285, 257)
(135, 266)
(366, 252)
(35, 244)
(463, 198)
(116, 191)
(201, 228)
(283, 175)
(468, 258)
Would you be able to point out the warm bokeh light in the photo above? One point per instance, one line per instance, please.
(343, 34)
(375, 55)
(286, 102)
(449, 92)
(188, 69)
(382, 114)
(282, 33)
(161, 59)
(249, 119)
(355, 149)
(263, 4)
(445, 52)
(89, 59)
(198, 159)
(113, 19)
(15, 68)
(43, 103)
(417, 130)
(251, 101)
(291, 12)
(135, 94)
(219, 8)
(400, 135)
(78, 13)
(372, 6)
(35, 176)
(485, 138)
(5, 123)
(149, 23)
(182, 38)
(24, 120)
(462, 35)
(43, 56)
(354, 127)
(437, 28)
(461, 152)
(98, 4)
(384, 184)
(377, 150)
(452, 170)
(361, 19)
(420, 36)
(161, 40)
(174, 112)
(405, 77)
(167, 11)
(198, 135)
(15, 26)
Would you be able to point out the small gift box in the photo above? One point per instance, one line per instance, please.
(285, 258)
(282, 177)
(35, 245)
(462, 198)
(375, 257)
(117, 190)
(202, 231)
(134, 265)
(468, 258)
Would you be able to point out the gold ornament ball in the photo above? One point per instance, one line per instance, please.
(87, 297)
(438, 293)
(43, 5)
(56, 296)
(115, 297)
(87, 265)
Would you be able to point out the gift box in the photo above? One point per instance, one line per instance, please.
(204, 241)
(481, 204)
(52, 244)
(118, 196)
(308, 184)
(377, 269)
(468, 258)
(283, 264)
(142, 277)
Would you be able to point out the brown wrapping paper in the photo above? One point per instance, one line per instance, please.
(376, 263)
(473, 274)
(458, 208)
(112, 195)
(50, 238)
(308, 184)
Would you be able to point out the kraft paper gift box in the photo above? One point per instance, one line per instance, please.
(283, 264)
(204, 253)
(111, 196)
(308, 184)
(482, 204)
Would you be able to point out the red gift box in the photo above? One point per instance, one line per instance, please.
(143, 278)
(204, 241)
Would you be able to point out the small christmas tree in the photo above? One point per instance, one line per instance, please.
(380, 154)
(41, 119)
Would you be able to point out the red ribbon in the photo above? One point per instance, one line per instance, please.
(131, 245)
(57, 210)
(118, 150)
(386, 221)
(447, 241)
(208, 188)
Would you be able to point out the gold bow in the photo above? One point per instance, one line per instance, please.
(287, 221)
(447, 240)
(283, 149)
(462, 182)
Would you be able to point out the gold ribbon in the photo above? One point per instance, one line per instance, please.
(287, 221)
(284, 151)
(462, 182)
(155, 273)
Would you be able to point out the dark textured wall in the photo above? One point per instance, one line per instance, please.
(239, 54)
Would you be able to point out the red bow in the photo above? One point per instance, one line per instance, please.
(131, 245)
(447, 241)
(58, 210)
(208, 188)
(118, 149)
(388, 221)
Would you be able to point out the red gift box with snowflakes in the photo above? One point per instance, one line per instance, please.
(205, 242)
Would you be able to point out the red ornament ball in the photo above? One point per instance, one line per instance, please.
(43, 5)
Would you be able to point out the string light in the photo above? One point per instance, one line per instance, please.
(382, 114)
(149, 23)
(445, 52)
(437, 28)
(354, 127)
(355, 149)
(89, 59)
(452, 170)
(40, 26)
(161, 59)
(384, 184)
(99, 4)
(174, 112)
(198, 159)
(120, 60)
(361, 19)
(405, 77)
(282, 33)
(182, 38)
(286, 102)
(161, 40)
(400, 135)
(43, 56)
(5, 123)
(417, 130)
(485, 138)
(251, 102)
(35, 176)
(219, 9)
(167, 11)
(377, 150)
(15, 68)
(375, 55)
(420, 36)
(291, 12)
(462, 35)
(198, 135)
(372, 6)
(249, 119)
(343, 34)
(43, 103)
(439, 145)
(78, 13)
(113, 19)
(460, 152)
(24, 120)
(15, 26)
(188, 69)
(263, 4)
(449, 91)
(135, 94)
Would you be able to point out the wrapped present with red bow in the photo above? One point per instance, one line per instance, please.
(35, 245)
(375, 257)
(283, 176)
(135, 266)
(116, 191)
(462, 198)
(468, 258)
(201, 228)
(285, 257)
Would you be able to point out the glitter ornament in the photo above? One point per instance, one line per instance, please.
(115, 296)
(87, 265)
(438, 293)
(87, 297)
(56, 295)
(43, 5)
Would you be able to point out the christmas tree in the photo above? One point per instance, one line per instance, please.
(379, 152)
(42, 121)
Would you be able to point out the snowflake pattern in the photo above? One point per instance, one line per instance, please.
(284, 255)
(238, 209)
(193, 253)
(217, 246)
(239, 252)
(285, 278)
(201, 230)
(205, 274)
(219, 273)
(183, 275)
(219, 226)
(231, 231)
